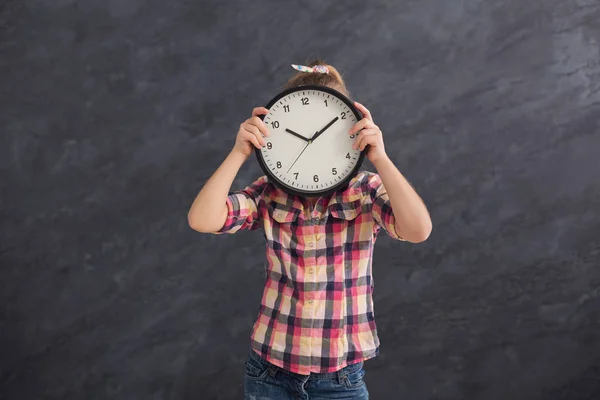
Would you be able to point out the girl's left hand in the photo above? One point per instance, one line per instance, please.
(369, 134)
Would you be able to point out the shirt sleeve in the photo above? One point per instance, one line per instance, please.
(242, 208)
(381, 208)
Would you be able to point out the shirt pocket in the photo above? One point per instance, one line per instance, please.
(347, 208)
(283, 213)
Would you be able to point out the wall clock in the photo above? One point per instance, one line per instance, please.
(309, 152)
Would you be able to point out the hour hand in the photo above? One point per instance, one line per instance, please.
(297, 135)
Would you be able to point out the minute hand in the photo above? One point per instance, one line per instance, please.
(324, 129)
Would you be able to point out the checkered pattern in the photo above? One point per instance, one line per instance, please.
(316, 313)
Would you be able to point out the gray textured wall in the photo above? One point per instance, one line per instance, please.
(114, 112)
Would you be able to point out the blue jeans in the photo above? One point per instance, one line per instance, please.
(265, 381)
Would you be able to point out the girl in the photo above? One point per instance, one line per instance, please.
(316, 325)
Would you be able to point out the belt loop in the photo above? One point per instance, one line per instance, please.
(272, 370)
(341, 376)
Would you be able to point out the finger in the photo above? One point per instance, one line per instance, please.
(369, 131)
(254, 129)
(370, 140)
(358, 143)
(362, 124)
(252, 138)
(366, 136)
(260, 124)
(259, 136)
(363, 110)
(259, 111)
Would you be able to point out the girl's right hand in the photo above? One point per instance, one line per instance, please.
(251, 133)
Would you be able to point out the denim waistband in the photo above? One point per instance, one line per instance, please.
(313, 375)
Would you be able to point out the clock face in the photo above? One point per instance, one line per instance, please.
(309, 151)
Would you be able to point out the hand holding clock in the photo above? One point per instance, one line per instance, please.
(251, 133)
(369, 134)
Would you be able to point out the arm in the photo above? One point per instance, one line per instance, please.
(209, 211)
(411, 218)
(413, 222)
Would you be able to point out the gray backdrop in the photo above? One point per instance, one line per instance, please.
(113, 113)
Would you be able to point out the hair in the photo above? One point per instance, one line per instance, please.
(333, 79)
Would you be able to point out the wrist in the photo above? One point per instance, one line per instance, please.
(239, 156)
(381, 161)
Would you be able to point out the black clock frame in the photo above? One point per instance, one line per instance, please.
(341, 185)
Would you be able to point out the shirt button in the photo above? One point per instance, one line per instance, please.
(311, 245)
(310, 301)
(311, 270)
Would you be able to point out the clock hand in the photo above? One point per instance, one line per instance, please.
(298, 157)
(296, 134)
(324, 129)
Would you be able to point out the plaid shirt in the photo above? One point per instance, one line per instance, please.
(316, 313)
